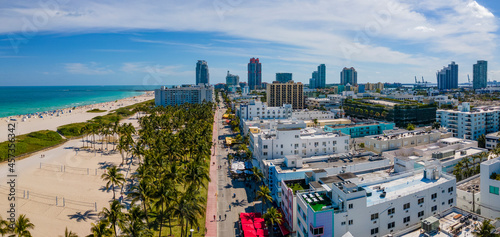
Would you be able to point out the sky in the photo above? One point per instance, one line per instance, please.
(139, 42)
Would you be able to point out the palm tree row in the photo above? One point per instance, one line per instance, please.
(470, 166)
(107, 131)
(20, 228)
(173, 154)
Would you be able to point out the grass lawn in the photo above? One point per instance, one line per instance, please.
(71, 130)
(176, 229)
(96, 111)
(31, 142)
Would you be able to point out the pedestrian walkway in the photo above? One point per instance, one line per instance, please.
(210, 224)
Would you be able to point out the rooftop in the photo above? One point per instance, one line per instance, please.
(397, 186)
(323, 162)
(401, 135)
(318, 201)
(457, 218)
(471, 185)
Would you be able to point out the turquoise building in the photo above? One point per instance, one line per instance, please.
(360, 129)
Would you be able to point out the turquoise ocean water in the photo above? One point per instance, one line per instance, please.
(18, 100)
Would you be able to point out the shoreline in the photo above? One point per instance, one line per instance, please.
(65, 110)
(51, 120)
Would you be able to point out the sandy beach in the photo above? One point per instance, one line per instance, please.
(51, 121)
(62, 189)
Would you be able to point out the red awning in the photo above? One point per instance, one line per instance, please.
(262, 232)
(283, 229)
(259, 225)
(246, 227)
(250, 233)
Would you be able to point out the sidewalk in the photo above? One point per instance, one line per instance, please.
(210, 224)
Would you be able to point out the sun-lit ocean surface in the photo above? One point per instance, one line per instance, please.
(18, 100)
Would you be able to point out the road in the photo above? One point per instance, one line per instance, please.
(228, 225)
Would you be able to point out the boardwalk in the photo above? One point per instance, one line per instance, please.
(210, 224)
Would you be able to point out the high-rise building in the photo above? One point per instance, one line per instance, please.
(480, 74)
(447, 78)
(184, 94)
(314, 76)
(312, 83)
(232, 80)
(254, 74)
(283, 77)
(202, 75)
(279, 94)
(349, 76)
(321, 77)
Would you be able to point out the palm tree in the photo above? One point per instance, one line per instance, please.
(265, 195)
(22, 227)
(69, 233)
(436, 125)
(272, 216)
(257, 174)
(142, 192)
(485, 229)
(114, 178)
(113, 214)
(4, 226)
(100, 229)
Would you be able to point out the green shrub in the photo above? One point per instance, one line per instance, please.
(31, 142)
(71, 130)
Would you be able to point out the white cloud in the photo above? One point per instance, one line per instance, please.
(87, 69)
(312, 31)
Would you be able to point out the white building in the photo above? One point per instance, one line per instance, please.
(321, 102)
(467, 123)
(306, 114)
(492, 140)
(490, 194)
(257, 109)
(371, 205)
(278, 143)
(402, 139)
(184, 94)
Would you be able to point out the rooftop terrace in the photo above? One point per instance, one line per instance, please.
(401, 186)
(318, 201)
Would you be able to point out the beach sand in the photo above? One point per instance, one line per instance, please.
(81, 189)
(77, 115)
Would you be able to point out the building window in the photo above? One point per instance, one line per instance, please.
(351, 205)
(406, 206)
(391, 211)
(374, 231)
(420, 200)
(450, 201)
(265, 146)
(316, 231)
(450, 189)
(342, 223)
(434, 208)
(264, 154)
(351, 222)
(374, 216)
(494, 190)
(406, 219)
(434, 195)
(420, 213)
(391, 225)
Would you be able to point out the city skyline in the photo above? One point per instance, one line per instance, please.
(80, 44)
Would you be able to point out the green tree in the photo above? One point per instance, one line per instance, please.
(4, 226)
(265, 195)
(22, 227)
(481, 141)
(100, 229)
(485, 229)
(114, 178)
(68, 233)
(436, 125)
(272, 216)
(113, 214)
(257, 174)
(410, 127)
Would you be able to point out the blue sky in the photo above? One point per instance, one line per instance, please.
(129, 42)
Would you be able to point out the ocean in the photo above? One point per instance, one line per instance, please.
(19, 100)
